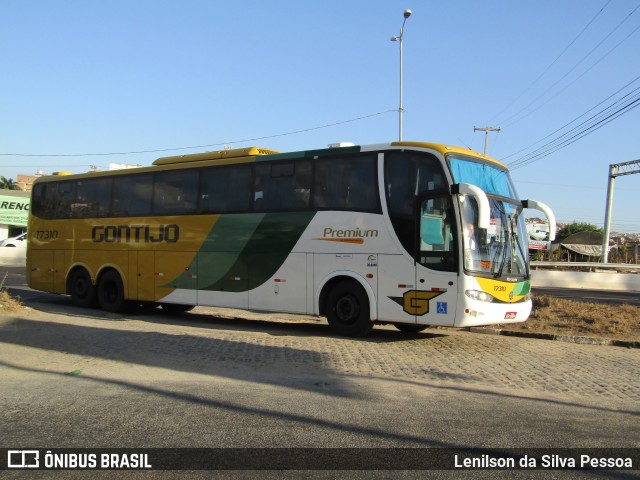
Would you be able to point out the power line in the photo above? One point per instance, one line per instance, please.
(595, 122)
(137, 152)
(549, 67)
(518, 119)
(567, 185)
(575, 119)
(568, 141)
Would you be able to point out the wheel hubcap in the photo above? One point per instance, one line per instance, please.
(347, 309)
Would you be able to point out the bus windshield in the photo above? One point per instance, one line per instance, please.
(501, 250)
(487, 176)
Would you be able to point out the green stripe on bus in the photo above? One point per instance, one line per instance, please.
(243, 251)
(522, 288)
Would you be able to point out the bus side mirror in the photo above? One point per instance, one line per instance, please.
(534, 205)
(484, 210)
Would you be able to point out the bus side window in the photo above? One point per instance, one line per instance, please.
(363, 194)
(346, 184)
(282, 186)
(132, 196)
(62, 196)
(175, 192)
(225, 189)
(93, 198)
(39, 203)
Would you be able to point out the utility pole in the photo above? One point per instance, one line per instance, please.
(486, 131)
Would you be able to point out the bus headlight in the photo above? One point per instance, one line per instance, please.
(479, 295)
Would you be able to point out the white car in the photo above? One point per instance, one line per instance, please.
(20, 241)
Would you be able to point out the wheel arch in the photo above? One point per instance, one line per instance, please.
(328, 282)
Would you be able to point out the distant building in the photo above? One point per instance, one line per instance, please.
(25, 182)
(14, 212)
(120, 166)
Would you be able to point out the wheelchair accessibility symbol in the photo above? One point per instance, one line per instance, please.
(441, 307)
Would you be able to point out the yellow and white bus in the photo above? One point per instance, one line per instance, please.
(408, 233)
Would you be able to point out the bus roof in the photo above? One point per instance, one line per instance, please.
(444, 149)
(245, 154)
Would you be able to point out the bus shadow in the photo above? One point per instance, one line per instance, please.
(274, 327)
(276, 365)
(227, 355)
(217, 319)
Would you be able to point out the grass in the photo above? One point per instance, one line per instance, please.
(569, 317)
(8, 303)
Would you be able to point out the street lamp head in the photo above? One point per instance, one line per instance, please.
(407, 13)
(394, 39)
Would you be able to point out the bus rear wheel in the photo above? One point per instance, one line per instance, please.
(83, 293)
(111, 292)
(348, 309)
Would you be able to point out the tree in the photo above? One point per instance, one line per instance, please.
(576, 227)
(8, 184)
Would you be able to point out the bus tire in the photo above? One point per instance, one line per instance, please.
(111, 292)
(176, 307)
(348, 309)
(410, 327)
(81, 289)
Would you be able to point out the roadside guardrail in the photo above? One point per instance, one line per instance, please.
(586, 275)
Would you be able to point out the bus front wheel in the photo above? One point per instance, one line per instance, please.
(111, 292)
(82, 291)
(348, 309)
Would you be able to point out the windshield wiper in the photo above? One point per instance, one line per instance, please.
(505, 250)
(516, 239)
(505, 246)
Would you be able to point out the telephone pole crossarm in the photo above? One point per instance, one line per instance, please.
(486, 131)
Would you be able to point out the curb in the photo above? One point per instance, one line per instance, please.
(559, 338)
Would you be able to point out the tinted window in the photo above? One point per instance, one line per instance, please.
(282, 186)
(132, 195)
(93, 198)
(60, 197)
(346, 184)
(53, 200)
(407, 175)
(225, 189)
(175, 192)
(39, 200)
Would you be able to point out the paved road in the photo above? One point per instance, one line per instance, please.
(82, 378)
(611, 297)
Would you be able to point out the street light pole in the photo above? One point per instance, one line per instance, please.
(407, 14)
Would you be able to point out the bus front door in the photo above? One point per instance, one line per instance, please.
(434, 300)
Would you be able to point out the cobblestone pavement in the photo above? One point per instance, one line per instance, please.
(210, 341)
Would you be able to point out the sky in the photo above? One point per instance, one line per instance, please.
(88, 83)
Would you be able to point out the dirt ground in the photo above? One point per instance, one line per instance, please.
(568, 317)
